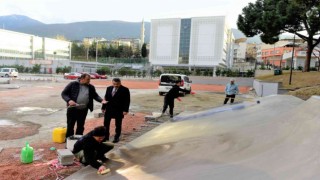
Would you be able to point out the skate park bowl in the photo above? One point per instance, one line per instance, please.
(277, 138)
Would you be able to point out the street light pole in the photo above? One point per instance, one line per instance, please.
(294, 38)
(96, 54)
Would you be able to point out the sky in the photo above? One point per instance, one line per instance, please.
(67, 11)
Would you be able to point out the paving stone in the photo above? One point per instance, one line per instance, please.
(150, 118)
(98, 115)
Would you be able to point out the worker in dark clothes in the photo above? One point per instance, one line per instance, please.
(79, 96)
(170, 96)
(89, 149)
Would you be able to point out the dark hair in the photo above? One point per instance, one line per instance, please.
(84, 75)
(99, 131)
(178, 81)
(116, 80)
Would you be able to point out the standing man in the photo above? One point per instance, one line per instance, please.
(170, 96)
(117, 106)
(79, 96)
(231, 90)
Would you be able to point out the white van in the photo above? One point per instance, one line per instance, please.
(166, 82)
(9, 72)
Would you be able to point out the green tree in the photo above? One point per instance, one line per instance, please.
(156, 73)
(104, 70)
(218, 72)
(144, 50)
(144, 72)
(77, 51)
(125, 51)
(58, 70)
(270, 18)
(66, 69)
(124, 71)
(36, 68)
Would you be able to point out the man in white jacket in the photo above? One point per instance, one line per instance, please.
(231, 91)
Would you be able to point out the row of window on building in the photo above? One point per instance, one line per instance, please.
(15, 45)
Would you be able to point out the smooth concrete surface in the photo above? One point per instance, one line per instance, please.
(275, 139)
(4, 80)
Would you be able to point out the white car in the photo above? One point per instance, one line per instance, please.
(166, 82)
(9, 72)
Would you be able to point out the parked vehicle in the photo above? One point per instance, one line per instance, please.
(9, 72)
(91, 76)
(166, 82)
(72, 75)
(98, 76)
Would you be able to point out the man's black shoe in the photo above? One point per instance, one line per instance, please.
(115, 140)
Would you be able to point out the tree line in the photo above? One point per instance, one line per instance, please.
(88, 52)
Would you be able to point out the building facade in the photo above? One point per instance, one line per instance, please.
(191, 42)
(240, 50)
(28, 50)
(280, 54)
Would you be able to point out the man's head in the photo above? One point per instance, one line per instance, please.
(85, 79)
(116, 82)
(178, 82)
(232, 81)
(99, 133)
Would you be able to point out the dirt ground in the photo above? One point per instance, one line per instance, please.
(31, 112)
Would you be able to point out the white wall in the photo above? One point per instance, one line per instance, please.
(265, 88)
(164, 42)
(207, 40)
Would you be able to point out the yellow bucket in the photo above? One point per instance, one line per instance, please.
(59, 134)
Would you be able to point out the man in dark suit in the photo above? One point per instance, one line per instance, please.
(117, 106)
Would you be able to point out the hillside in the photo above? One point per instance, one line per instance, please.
(75, 31)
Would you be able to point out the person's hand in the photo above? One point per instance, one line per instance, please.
(104, 101)
(192, 92)
(125, 113)
(101, 168)
(178, 99)
(72, 103)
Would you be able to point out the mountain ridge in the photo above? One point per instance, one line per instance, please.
(76, 30)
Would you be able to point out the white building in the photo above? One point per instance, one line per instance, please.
(240, 50)
(191, 42)
(27, 50)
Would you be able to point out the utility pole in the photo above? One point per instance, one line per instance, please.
(96, 54)
(294, 38)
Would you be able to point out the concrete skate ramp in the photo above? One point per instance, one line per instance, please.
(276, 139)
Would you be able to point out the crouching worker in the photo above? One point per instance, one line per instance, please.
(89, 149)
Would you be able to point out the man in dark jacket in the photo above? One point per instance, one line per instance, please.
(117, 105)
(79, 96)
(89, 149)
(173, 93)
